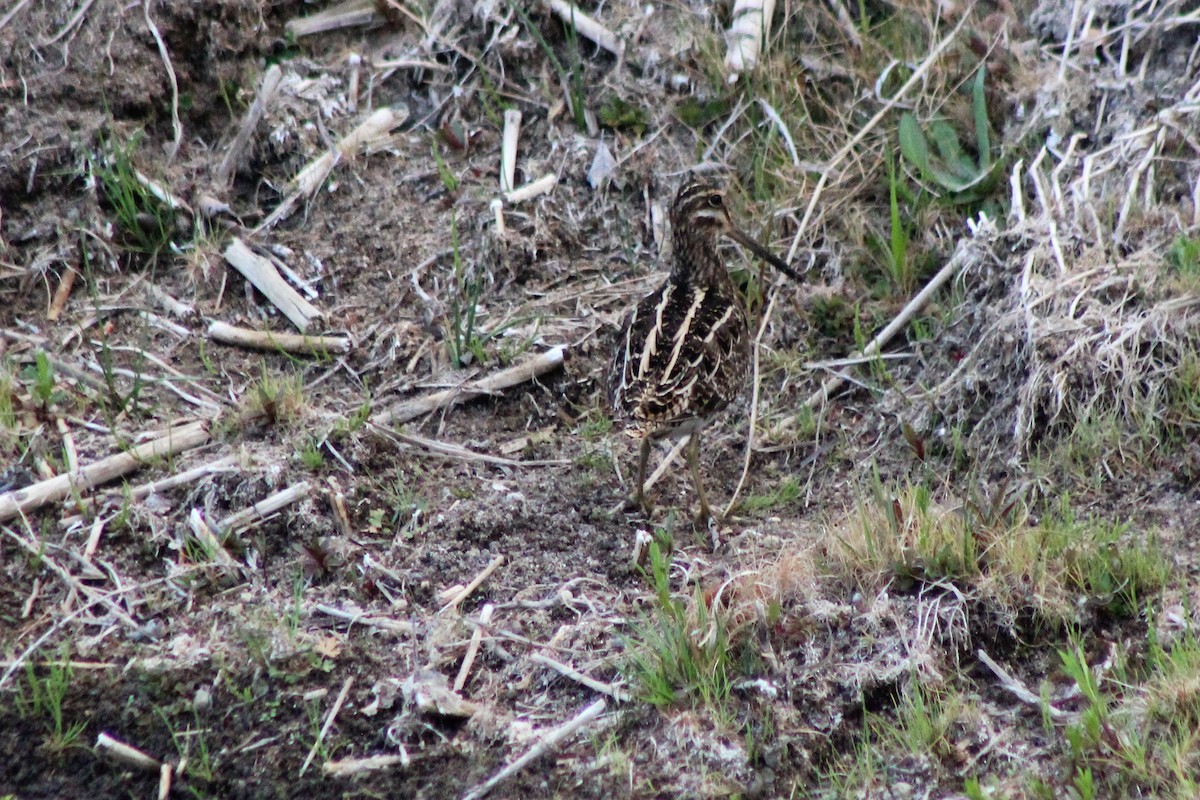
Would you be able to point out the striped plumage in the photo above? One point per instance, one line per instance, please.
(683, 353)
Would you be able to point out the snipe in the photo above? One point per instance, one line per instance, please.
(683, 354)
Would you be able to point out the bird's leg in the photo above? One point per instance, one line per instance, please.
(693, 459)
(639, 495)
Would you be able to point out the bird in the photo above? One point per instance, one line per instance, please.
(683, 352)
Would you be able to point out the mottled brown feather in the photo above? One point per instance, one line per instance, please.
(683, 353)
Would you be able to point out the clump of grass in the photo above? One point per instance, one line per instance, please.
(1138, 733)
(922, 725)
(1057, 568)
(43, 696)
(275, 400)
(145, 221)
(682, 649)
(787, 492)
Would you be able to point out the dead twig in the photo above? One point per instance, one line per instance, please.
(126, 754)
(359, 618)
(1020, 690)
(587, 27)
(267, 88)
(506, 378)
(349, 767)
(176, 125)
(551, 740)
(579, 677)
(458, 595)
(264, 508)
(262, 273)
(455, 451)
(61, 294)
(329, 718)
(177, 440)
(485, 616)
(298, 344)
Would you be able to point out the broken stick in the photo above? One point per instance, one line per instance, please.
(547, 744)
(185, 437)
(287, 342)
(535, 367)
(262, 99)
(262, 273)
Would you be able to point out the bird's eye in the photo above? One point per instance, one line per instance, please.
(714, 201)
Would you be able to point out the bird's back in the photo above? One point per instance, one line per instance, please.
(682, 356)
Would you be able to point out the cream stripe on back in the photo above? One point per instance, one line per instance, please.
(681, 334)
(651, 348)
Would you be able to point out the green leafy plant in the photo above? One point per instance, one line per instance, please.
(960, 177)
(618, 114)
(683, 647)
(43, 387)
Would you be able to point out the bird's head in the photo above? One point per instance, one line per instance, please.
(699, 209)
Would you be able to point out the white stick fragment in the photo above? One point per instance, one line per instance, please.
(551, 741)
(508, 150)
(185, 437)
(267, 88)
(587, 27)
(165, 773)
(513, 376)
(126, 754)
(530, 190)
(208, 540)
(372, 134)
(465, 592)
(485, 616)
(370, 130)
(349, 767)
(355, 62)
(262, 273)
(746, 35)
(497, 206)
(265, 508)
(329, 718)
(287, 342)
(352, 13)
(1020, 690)
(579, 677)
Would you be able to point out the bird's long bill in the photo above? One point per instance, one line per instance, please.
(766, 255)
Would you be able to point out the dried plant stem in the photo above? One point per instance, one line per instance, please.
(262, 273)
(465, 592)
(508, 150)
(33, 497)
(506, 378)
(287, 342)
(126, 754)
(349, 767)
(485, 616)
(551, 740)
(267, 88)
(265, 508)
(329, 718)
(176, 126)
(531, 190)
(61, 294)
(587, 27)
(579, 677)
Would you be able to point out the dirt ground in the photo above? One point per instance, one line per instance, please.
(328, 628)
